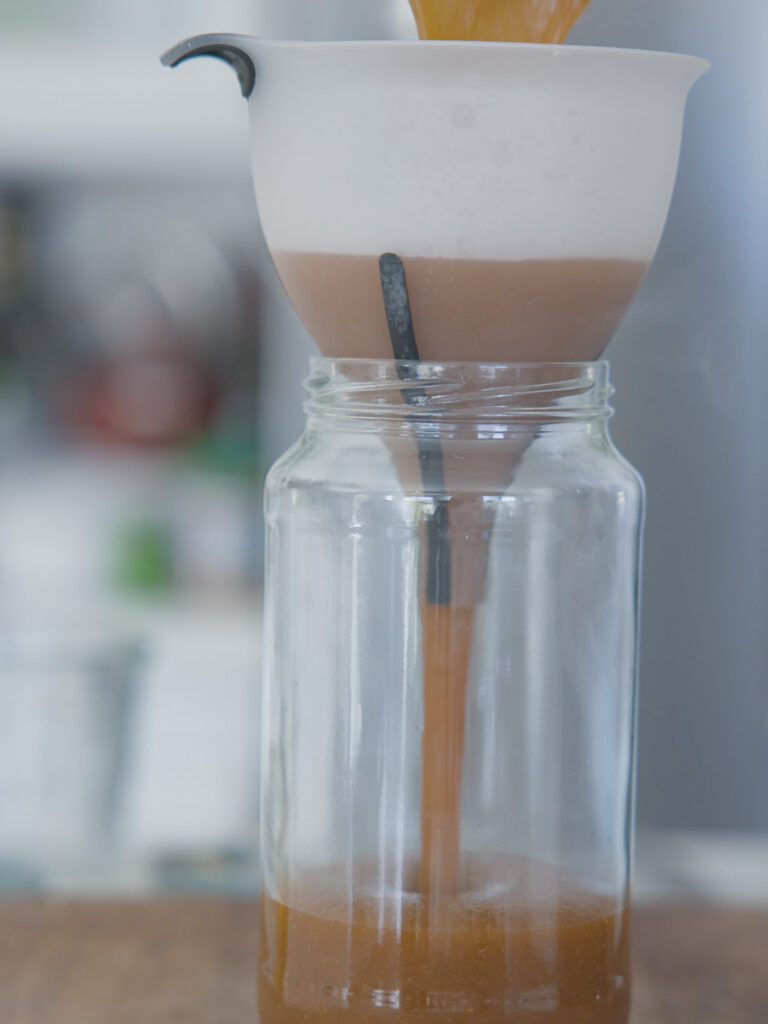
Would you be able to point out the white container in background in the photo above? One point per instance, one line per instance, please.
(67, 698)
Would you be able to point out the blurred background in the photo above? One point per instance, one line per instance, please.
(150, 370)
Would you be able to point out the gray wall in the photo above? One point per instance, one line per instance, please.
(691, 368)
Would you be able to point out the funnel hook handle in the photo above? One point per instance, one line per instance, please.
(214, 45)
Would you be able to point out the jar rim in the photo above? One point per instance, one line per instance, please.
(458, 391)
(576, 364)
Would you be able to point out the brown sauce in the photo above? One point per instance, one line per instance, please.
(484, 310)
(446, 647)
(537, 951)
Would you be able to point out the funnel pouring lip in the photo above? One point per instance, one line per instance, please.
(554, 50)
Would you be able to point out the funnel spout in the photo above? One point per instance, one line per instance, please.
(223, 46)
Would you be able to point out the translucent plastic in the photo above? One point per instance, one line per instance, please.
(472, 150)
(67, 696)
(515, 681)
(525, 187)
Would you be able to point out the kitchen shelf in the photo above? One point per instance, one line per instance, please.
(77, 113)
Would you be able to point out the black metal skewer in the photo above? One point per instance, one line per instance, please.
(397, 307)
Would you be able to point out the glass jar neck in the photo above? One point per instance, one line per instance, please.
(485, 399)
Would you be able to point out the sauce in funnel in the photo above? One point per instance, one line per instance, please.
(524, 189)
(486, 310)
(505, 310)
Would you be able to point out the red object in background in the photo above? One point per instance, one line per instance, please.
(147, 398)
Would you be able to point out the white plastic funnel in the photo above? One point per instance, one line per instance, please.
(525, 187)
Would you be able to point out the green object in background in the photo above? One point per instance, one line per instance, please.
(226, 453)
(145, 557)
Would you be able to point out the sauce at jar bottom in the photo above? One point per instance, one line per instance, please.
(518, 942)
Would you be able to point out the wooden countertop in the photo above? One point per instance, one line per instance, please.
(192, 962)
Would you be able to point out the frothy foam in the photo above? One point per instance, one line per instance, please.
(466, 151)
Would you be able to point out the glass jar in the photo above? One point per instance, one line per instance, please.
(449, 693)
